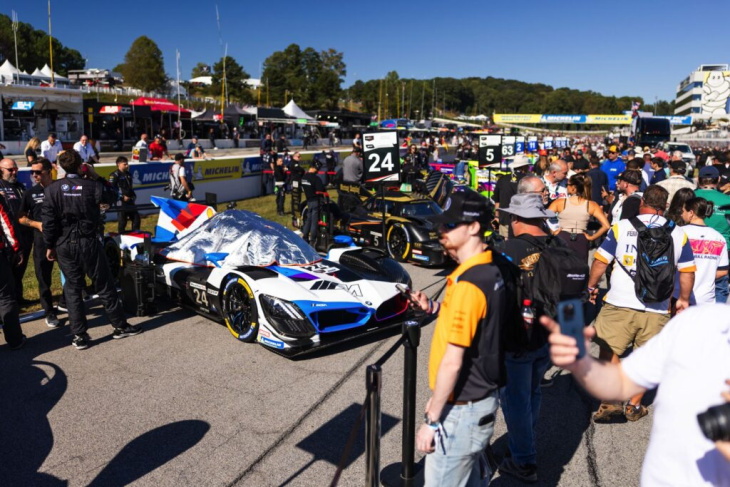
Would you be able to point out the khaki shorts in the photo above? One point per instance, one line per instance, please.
(617, 328)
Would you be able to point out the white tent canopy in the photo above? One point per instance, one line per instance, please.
(293, 110)
(47, 72)
(8, 72)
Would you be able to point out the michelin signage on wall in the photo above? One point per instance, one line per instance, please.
(549, 118)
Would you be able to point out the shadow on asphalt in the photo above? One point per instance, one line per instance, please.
(30, 390)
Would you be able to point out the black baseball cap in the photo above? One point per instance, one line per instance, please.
(179, 157)
(464, 206)
(631, 177)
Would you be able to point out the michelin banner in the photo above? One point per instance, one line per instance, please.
(577, 119)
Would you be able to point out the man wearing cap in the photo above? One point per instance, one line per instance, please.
(466, 366)
(709, 179)
(676, 180)
(313, 189)
(580, 163)
(626, 201)
(505, 188)
(525, 363)
(613, 166)
(194, 145)
(158, 149)
(51, 147)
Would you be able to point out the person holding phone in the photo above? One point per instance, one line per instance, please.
(690, 360)
(466, 360)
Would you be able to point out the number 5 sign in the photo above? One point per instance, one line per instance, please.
(381, 157)
(490, 149)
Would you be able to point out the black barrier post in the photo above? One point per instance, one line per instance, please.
(405, 477)
(372, 426)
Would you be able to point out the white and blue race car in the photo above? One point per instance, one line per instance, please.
(264, 282)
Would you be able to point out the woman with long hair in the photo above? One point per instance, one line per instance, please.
(541, 166)
(709, 249)
(31, 150)
(575, 211)
(676, 206)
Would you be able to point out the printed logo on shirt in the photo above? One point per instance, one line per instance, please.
(706, 247)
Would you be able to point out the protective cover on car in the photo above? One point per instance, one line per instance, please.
(247, 238)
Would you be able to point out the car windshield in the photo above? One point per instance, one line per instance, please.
(680, 147)
(421, 209)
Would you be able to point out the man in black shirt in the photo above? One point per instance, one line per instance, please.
(13, 191)
(505, 188)
(71, 231)
(280, 185)
(599, 181)
(121, 181)
(281, 144)
(30, 215)
(313, 188)
(580, 164)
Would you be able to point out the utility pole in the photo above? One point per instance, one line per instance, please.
(433, 100)
(15, 35)
(410, 101)
(50, 44)
(403, 98)
(423, 97)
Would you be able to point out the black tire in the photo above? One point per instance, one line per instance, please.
(239, 310)
(113, 257)
(398, 242)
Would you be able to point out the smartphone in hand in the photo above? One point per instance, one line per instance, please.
(572, 322)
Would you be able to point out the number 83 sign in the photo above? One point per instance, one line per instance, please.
(381, 158)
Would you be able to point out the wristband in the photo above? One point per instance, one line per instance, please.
(591, 289)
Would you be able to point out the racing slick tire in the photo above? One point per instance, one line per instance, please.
(239, 309)
(398, 242)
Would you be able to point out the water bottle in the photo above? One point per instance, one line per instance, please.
(528, 315)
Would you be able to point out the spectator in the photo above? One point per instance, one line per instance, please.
(709, 249)
(158, 150)
(31, 151)
(266, 144)
(466, 361)
(676, 208)
(313, 189)
(121, 181)
(13, 190)
(555, 180)
(660, 172)
(625, 202)
(30, 215)
(624, 320)
(280, 185)
(709, 179)
(142, 142)
(691, 367)
(197, 152)
(192, 145)
(580, 163)
(613, 166)
(542, 165)
(179, 187)
(647, 171)
(357, 142)
(352, 168)
(71, 232)
(211, 138)
(236, 137)
(281, 144)
(85, 150)
(676, 179)
(10, 256)
(51, 147)
(505, 188)
(599, 181)
(574, 213)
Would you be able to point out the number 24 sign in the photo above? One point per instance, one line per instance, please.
(382, 159)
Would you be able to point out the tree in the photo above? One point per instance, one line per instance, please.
(200, 69)
(236, 78)
(143, 66)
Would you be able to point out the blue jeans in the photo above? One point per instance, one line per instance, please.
(312, 223)
(521, 401)
(721, 290)
(459, 170)
(459, 458)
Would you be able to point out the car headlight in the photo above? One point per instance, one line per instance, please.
(286, 317)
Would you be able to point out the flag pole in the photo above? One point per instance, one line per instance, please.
(50, 43)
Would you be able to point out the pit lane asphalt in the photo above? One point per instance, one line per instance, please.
(186, 404)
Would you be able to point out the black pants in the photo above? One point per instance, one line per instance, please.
(312, 224)
(8, 303)
(124, 217)
(81, 257)
(26, 245)
(280, 197)
(43, 272)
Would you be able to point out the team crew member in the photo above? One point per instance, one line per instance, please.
(121, 181)
(30, 215)
(158, 149)
(85, 150)
(9, 255)
(466, 362)
(280, 185)
(179, 186)
(51, 147)
(13, 191)
(313, 188)
(70, 222)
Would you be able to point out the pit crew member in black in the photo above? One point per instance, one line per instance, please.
(313, 188)
(71, 218)
(9, 255)
(30, 215)
(13, 191)
(121, 181)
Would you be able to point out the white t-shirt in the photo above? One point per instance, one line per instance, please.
(710, 254)
(49, 151)
(620, 244)
(177, 174)
(690, 359)
(141, 144)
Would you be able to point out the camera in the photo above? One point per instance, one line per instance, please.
(715, 422)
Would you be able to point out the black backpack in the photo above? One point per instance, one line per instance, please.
(559, 273)
(655, 268)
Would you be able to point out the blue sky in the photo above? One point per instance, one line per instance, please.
(637, 47)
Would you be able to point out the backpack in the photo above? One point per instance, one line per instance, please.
(655, 268)
(559, 273)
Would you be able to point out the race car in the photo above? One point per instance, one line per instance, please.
(263, 281)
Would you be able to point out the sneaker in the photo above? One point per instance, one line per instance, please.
(549, 380)
(607, 412)
(526, 473)
(52, 321)
(62, 307)
(20, 345)
(635, 413)
(126, 331)
(81, 342)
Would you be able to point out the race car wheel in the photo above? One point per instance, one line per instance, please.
(113, 257)
(239, 309)
(398, 242)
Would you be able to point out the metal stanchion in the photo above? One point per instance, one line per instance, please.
(392, 474)
(372, 426)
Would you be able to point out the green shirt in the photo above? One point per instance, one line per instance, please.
(717, 220)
